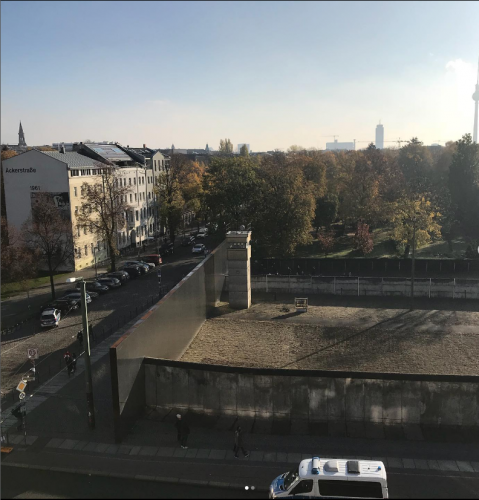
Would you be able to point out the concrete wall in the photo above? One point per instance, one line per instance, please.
(313, 395)
(339, 285)
(165, 331)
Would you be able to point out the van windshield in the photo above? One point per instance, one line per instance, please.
(290, 478)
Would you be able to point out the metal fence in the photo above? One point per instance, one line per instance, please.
(454, 288)
(368, 267)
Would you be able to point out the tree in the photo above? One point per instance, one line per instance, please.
(464, 186)
(49, 231)
(231, 191)
(363, 240)
(285, 208)
(225, 146)
(104, 208)
(326, 241)
(415, 162)
(326, 211)
(170, 194)
(19, 263)
(244, 150)
(414, 216)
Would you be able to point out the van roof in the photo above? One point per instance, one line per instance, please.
(369, 470)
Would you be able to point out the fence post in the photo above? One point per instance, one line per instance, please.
(334, 285)
(358, 286)
(430, 283)
(453, 288)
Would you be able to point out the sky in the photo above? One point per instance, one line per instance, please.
(270, 74)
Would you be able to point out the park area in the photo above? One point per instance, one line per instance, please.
(362, 339)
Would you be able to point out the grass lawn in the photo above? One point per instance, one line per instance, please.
(9, 289)
(383, 247)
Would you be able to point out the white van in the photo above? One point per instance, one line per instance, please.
(332, 478)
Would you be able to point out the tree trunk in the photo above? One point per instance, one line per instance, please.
(52, 285)
(112, 258)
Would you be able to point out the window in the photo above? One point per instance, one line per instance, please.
(91, 228)
(136, 214)
(92, 251)
(129, 181)
(305, 486)
(79, 252)
(155, 165)
(74, 173)
(75, 191)
(134, 181)
(81, 191)
(104, 245)
(86, 250)
(359, 489)
(78, 230)
(84, 230)
(135, 196)
(131, 197)
(76, 210)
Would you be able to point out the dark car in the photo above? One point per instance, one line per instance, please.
(110, 282)
(63, 305)
(144, 268)
(167, 249)
(76, 291)
(187, 241)
(133, 271)
(94, 286)
(154, 258)
(121, 275)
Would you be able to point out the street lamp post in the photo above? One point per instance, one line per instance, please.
(413, 259)
(86, 333)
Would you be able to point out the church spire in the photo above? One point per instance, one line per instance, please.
(21, 137)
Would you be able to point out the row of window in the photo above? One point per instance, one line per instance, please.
(85, 228)
(93, 249)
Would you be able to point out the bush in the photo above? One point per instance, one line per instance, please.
(363, 240)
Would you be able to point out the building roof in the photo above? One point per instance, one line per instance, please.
(110, 152)
(73, 160)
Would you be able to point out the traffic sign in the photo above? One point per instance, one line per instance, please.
(21, 386)
(32, 353)
(21, 395)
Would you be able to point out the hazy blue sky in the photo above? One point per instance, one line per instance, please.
(265, 73)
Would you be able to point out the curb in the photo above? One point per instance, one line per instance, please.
(139, 477)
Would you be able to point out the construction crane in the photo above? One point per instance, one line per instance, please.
(398, 142)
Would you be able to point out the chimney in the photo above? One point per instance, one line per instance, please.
(127, 145)
(62, 148)
(144, 146)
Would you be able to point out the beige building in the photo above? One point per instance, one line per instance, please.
(61, 175)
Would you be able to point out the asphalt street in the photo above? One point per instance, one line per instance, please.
(30, 483)
(107, 313)
(22, 483)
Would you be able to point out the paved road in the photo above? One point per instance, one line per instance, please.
(107, 313)
(30, 483)
(22, 483)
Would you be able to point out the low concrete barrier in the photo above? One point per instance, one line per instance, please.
(351, 285)
(312, 394)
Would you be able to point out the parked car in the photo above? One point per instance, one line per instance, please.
(144, 267)
(187, 241)
(167, 249)
(123, 276)
(94, 286)
(64, 305)
(201, 235)
(76, 295)
(199, 248)
(154, 258)
(150, 265)
(110, 282)
(132, 271)
(93, 295)
(50, 317)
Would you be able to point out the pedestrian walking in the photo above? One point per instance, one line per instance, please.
(80, 338)
(183, 431)
(239, 443)
(68, 361)
(18, 414)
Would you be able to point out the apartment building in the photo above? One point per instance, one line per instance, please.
(61, 174)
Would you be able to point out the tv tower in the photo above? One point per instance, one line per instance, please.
(475, 96)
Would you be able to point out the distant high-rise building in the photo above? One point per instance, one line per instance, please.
(338, 146)
(475, 97)
(379, 136)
